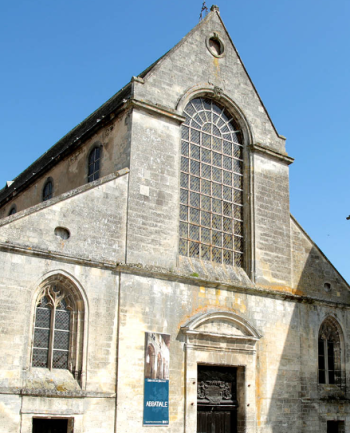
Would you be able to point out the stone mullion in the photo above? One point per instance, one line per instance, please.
(52, 337)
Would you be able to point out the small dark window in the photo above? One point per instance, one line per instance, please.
(327, 287)
(335, 427)
(13, 210)
(94, 164)
(43, 425)
(48, 190)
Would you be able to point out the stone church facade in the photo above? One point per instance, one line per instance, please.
(155, 240)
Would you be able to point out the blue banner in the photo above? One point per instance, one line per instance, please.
(156, 402)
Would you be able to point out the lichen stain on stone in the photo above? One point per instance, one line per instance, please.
(283, 289)
(61, 388)
(239, 305)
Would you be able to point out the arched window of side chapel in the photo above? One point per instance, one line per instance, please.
(211, 194)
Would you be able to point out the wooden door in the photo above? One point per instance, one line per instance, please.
(217, 399)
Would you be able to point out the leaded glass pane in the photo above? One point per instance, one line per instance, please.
(184, 148)
(238, 151)
(183, 213)
(61, 340)
(227, 148)
(227, 193)
(205, 252)
(183, 247)
(185, 133)
(206, 156)
(216, 205)
(195, 136)
(238, 181)
(183, 196)
(60, 359)
(194, 232)
(228, 257)
(217, 222)
(194, 199)
(184, 180)
(211, 185)
(194, 184)
(194, 151)
(217, 255)
(41, 338)
(227, 163)
(195, 168)
(205, 187)
(217, 238)
(206, 171)
(185, 163)
(205, 219)
(217, 144)
(194, 216)
(43, 317)
(194, 249)
(205, 235)
(183, 230)
(206, 203)
(217, 190)
(217, 159)
(40, 358)
(217, 174)
(206, 141)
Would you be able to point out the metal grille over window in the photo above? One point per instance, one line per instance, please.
(94, 164)
(211, 195)
(52, 330)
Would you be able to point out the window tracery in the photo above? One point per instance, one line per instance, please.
(58, 328)
(211, 194)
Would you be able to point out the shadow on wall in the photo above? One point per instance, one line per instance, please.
(287, 360)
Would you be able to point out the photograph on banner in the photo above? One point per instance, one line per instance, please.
(157, 356)
(156, 385)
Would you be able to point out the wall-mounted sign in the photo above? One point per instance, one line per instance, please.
(156, 390)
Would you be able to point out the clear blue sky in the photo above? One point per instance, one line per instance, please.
(62, 59)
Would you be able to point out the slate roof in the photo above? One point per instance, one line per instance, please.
(66, 145)
(70, 141)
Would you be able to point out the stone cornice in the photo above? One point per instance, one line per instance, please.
(175, 276)
(259, 148)
(155, 109)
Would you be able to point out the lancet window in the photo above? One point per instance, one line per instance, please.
(58, 330)
(329, 354)
(94, 164)
(211, 194)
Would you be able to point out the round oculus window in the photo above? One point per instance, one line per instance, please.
(215, 45)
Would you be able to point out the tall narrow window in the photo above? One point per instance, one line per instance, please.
(329, 353)
(211, 195)
(94, 164)
(13, 210)
(48, 190)
(58, 329)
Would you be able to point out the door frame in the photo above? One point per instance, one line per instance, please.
(206, 343)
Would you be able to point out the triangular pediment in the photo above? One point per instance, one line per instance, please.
(191, 63)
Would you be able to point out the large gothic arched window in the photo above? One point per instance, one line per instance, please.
(58, 328)
(211, 196)
(329, 353)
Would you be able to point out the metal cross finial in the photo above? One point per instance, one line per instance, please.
(205, 10)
